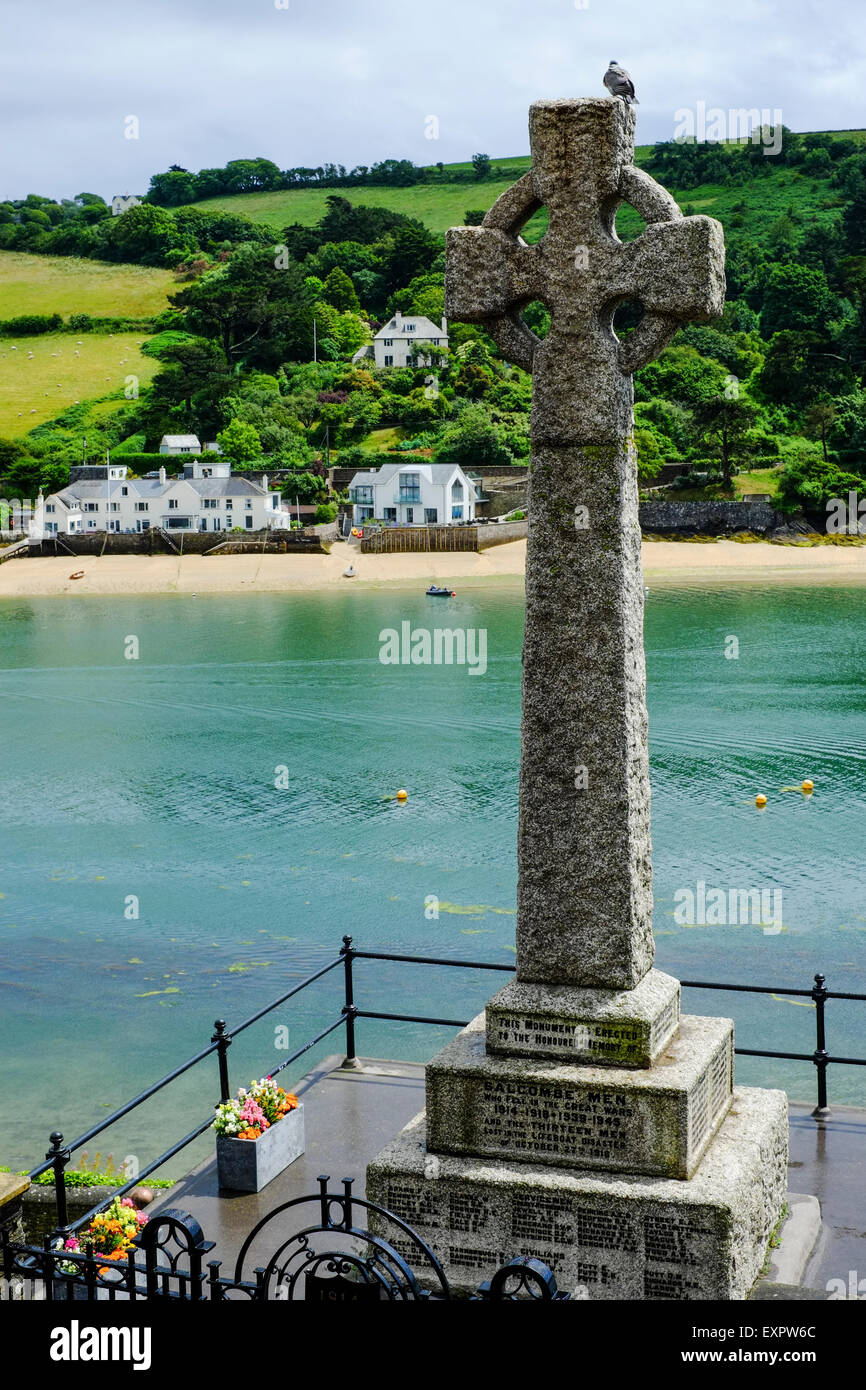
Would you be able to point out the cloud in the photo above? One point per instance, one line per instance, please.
(212, 80)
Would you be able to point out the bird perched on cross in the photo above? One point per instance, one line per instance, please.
(619, 84)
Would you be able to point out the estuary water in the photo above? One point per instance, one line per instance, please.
(191, 821)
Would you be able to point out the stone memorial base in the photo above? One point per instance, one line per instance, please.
(605, 1027)
(608, 1236)
(658, 1120)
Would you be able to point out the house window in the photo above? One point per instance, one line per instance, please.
(408, 361)
(249, 522)
(456, 513)
(389, 342)
(141, 507)
(115, 506)
(172, 504)
(431, 516)
(50, 507)
(228, 504)
(410, 514)
(124, 492)
(91, 506)
(210, 503)
(390, 513)
(456, 492)
(410, 328)
(249, 504)
(410, 487)
(389, 360)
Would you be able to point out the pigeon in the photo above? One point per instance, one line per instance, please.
(619, 84)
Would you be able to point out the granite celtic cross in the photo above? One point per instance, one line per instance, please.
(584, 857)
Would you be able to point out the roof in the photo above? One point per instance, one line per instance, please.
(424, 328)
(88, 490)
(436, 472)
(181, 441)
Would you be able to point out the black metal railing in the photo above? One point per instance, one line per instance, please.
(346, 1249)
(59, 1155)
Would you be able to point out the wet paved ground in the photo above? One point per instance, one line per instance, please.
(350, 1115)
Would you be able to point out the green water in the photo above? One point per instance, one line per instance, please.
(155, 778)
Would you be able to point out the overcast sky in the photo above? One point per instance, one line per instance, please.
(355, 81)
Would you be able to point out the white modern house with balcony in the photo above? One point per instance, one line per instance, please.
(414, 494)
(206, 498)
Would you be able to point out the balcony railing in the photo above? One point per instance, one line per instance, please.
(407, 497)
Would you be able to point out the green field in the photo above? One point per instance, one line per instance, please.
(66, 285)
(39, 388)
(443, 205)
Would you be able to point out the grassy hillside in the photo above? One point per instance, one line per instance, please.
(65, 285)
(39, 388)
(439, 206)
(443, 205)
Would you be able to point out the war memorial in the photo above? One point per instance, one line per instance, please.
(582, 1114)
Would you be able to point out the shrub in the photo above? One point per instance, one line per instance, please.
(30, 325)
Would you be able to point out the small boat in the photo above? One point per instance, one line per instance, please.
(436, 591)
(79, 574)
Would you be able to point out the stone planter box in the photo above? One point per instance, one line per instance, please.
(248, 1165)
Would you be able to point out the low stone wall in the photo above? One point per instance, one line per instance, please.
(39, 1211)
(500, 533)
(315, 540)
(709, 518)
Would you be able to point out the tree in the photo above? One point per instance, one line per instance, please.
(819, 419)
(474, 439)
(240, 441)
(473, 217)
(145, 235)
(797, 298)
(339, 291)
(725, 422)
(481, 165)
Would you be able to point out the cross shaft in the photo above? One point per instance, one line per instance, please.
(584, 857)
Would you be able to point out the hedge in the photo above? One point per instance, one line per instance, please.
(31, 325)
(144, 463)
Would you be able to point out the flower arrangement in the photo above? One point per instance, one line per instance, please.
(111, 1233)
(254, 1109)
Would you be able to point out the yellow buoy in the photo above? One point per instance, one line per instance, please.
(760, 799)
(402, 795)
(807, 786)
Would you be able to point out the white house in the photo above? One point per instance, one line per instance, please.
(205, 498)
(122, 202)
(180, 444)
(392, 344)
(414, 494)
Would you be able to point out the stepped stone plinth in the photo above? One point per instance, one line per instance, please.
(656, 1120)
(581, 1119)
(624, 1238)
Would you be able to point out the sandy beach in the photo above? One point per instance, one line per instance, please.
(665, 563)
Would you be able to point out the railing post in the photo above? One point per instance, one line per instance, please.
(223, 1045)
(59, 1158)
(820, 1057)
(350, 1061)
